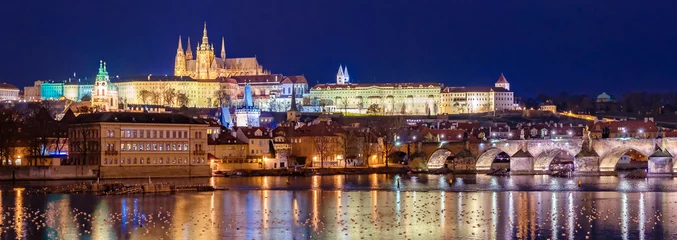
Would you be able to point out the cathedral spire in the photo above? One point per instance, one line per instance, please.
(223, 49)
(346, 77)
(180, 48)
(340, 76)
(189, 53)
(293, 99)
(205, 40)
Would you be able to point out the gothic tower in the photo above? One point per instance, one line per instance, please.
(340, 76)
(180, 61)
(205, 56)
(189, 53)
(346, 77)
(293, 113)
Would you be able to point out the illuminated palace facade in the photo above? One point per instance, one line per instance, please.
(205, 81)
(409, 98)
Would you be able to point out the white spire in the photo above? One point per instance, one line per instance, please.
(180, 49)
(223, 49)
(339, 75)
(346, 77)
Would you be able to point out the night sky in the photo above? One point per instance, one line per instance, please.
(540, 46)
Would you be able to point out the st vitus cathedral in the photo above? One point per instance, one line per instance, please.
(206, 65)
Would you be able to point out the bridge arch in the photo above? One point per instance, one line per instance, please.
(438, 158)
(485, 160)
(543, 161)
(609, 161)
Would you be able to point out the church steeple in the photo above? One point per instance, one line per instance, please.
(340, 76)
(180, 60)
(223, 48)
(189, 53)
(293, 99)
(205, 40)
(346, 77)
(180, 48)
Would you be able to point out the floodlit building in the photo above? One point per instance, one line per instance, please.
(124, 139)
(457, 100)
(8, 92)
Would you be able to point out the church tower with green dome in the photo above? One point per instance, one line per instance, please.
(104, 93)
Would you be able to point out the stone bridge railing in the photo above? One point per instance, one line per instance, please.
(604, 157)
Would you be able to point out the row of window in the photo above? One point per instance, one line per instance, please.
(169, 160)
(152, 147)
(152, 134)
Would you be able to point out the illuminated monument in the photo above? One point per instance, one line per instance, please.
(104, 93)
(206, 65)
(248, 115)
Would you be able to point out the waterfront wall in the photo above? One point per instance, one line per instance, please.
(48, 172)
(24, 173)
(119, 172)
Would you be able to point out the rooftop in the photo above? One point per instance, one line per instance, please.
(134, 117)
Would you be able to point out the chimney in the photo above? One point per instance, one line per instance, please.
(646, 119)
(651, 119)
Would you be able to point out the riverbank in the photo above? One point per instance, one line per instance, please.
(313, 171)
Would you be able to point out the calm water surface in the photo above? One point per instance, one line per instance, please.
(355, 207)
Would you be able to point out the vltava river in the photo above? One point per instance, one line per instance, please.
(356, 207)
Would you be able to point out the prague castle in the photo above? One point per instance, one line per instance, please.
(206, 66)
(206, 81)
(420, 98)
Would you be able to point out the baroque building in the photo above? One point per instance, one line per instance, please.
(408, 98)
(104, 93)
(206, 65)
(457, 100)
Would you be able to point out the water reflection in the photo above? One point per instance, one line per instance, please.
(322, 211)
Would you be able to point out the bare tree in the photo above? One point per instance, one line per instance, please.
(38, 134)
(223, 97)
(155, 97)
(182, 99)
(360, 104)
(10, 131)
(321, 144)
(388, 131)
(169, 95)
(343, 104)
(348, 143)
(144, 95)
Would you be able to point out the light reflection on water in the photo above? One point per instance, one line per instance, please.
(354, 207)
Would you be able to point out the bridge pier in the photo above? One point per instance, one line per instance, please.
(586, 165)
(521, 162)
(660, 166)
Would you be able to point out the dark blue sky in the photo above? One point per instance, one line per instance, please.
(541, 46)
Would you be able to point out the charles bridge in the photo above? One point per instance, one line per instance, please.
(534, 156)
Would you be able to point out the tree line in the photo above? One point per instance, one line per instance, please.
(636, 102)
(30, 134)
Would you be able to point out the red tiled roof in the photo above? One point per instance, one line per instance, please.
(273, 78)
(250, 132)
(474, 89)
(295, 79)
(631, 126)
(225, 138)
(320, 129)
(8, 86)
(501, 79)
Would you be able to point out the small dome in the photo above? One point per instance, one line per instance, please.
(603, 96)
